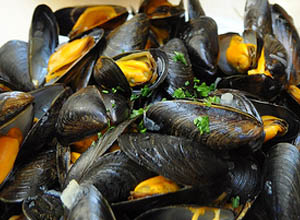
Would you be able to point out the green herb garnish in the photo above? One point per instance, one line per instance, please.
(134, 97)
(235, 202)
(105, 91)
(179, 57)
(114, 90)
(187, 83)
(113, 103)
(138, 112)
(141, 127)
(202, 123)
(179, 93)
(164, 99)
(202, 88)
(99, 134)
(212, 99)
(146, 92)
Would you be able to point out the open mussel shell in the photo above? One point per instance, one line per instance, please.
(88, 158)
(186, 195)
(293, 121)
(258, 17)
(44, 205)
(48, 101)
(89, 204)
(187, 213)
(43, 39)
(259, 85)
(285, 31)
(132, 35)
(78, 74)
(243, 63)
(83, 114)
(201, 38)
(29, 177)
(229, 127)
(68, 17)
(16, 112)
(108, 75)
(281, 182)
(162, 65)
(113, 169)
(184, 161)
(178, 72)
(12, 103)
(276, 59)
(14, 65)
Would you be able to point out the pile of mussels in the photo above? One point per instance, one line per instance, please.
(151, 114)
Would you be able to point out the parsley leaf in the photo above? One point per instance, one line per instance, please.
(179, 93)
(146, 92)
(134, 97)
(235, 202)
(114, 90)
(212, 99)
(105, 91)
(202, 123)
(141, 127)
(138, 112)
(179, 57)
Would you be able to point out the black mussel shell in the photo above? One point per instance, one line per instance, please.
(77, 76)
(245, 178)
(108, 75)
(293, 121)
(178, 159)
(43, 39)
(285, 31)
(117, 107)
(45, 205)
(87, 159)
(67, 17)
(112, 170)
(195, 9)
(236, 99)
(162, 63)
(258, 17)
(132, 35)
(276, 59)
(82, 115)
(12, 103)
(281, 182)
(201, 38)
(229, 127)
(63, 162)
(179, 72)
(187, 213)
(14, 66)
(47, 102)
(259, 85)
(28, 178)
(90, 204)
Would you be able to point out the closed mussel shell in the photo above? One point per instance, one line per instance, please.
(43, 39)
(132, 35)
(195, 9)
(229, 127)
(29, 177)
(83, 114)
(187, 213)
(176, 158)
(281, 182)
(14, 65)
(179, 72)
(201, 38)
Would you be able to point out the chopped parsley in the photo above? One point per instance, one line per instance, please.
(146, 92)
(114, 90)
(202, 88)
(235, 202)
(164, 99)
(134, 97)
(179, 93)
(105, 91)
(202, 123)
(187, 83)
(113, 103)
(99, 134)
(212, 99)
(179, 57)
(141, 127)
(138, 112)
